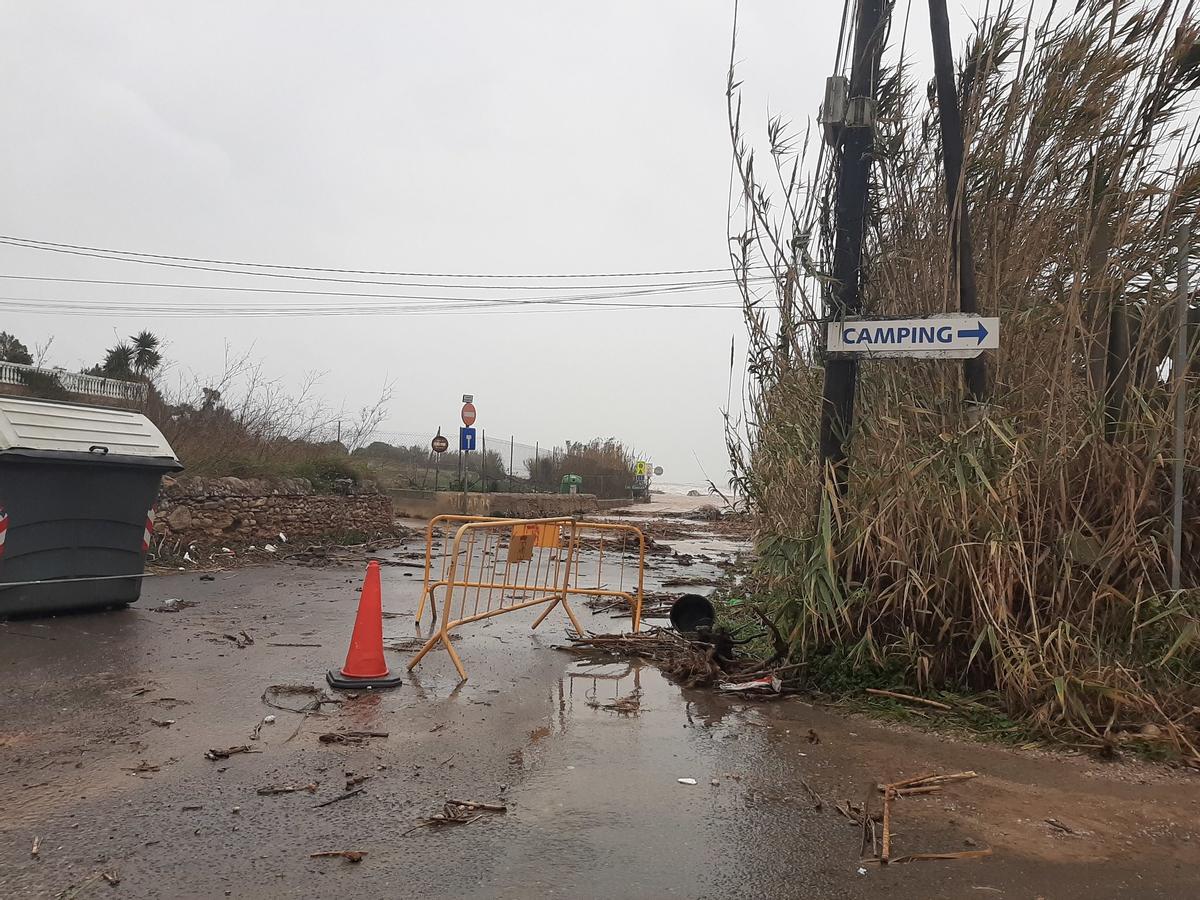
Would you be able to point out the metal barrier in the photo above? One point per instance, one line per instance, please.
(440, 530)
(494, 566)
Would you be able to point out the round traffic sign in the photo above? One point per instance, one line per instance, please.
(440, 444)
(468, 414)
(658, 470)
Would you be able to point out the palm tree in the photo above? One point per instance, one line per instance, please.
(144, 356)
(12, 350)
(118, 362)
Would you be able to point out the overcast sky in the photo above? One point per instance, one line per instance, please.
(478, 137)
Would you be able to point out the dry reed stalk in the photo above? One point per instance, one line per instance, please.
(1021, 550)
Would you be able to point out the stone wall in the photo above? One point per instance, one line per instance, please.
(427, 504)
(235, 511)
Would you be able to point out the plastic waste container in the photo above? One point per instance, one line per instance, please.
(570, 484)
(77, 490)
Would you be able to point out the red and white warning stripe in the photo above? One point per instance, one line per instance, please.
(3, 529)
(148, 530)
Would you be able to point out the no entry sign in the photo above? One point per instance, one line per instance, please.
(468, 414)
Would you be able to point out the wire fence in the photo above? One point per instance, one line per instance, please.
(499, 462)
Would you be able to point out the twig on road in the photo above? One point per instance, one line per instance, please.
(339, 797)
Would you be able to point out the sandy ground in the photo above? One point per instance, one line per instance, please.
(595, 808)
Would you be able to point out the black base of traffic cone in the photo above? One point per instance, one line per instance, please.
(345, 683)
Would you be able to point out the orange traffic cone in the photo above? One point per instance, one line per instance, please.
(365, 666)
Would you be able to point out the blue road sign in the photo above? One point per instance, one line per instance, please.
(466, 439)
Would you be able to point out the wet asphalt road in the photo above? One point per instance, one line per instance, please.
(595, 807)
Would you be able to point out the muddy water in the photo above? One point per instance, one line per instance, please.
(587, 758)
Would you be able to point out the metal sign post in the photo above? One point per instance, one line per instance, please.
(466, 441)
(1179, 373)
(439, 445)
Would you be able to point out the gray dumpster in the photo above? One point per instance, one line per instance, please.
(77, 486)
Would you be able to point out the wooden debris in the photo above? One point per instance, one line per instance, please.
(270, 790)
(957, 854)
(868, 828)
(214, 753)
(885, 849)
(843, 806)
(818, 803)
(690, 662)
(162, 723)
(317, 696)
(921, 784)
(916, 785)
(909, 698)
(909, 792)
(629, 705)
(475, 804)
(457, 812)
(340, 797)
(349, 737)
(353, 856)
(111, 876)
(1061, 826)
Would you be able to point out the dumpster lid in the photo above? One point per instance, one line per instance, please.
(54, 427)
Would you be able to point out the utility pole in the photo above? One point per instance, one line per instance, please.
(1179, 376)
(856, 141)
(962, 255)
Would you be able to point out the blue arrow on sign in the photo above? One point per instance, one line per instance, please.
(466, 439)
(978, 332)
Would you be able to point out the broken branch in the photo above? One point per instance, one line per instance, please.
(339, 797)
(894, 695)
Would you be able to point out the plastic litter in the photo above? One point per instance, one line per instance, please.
(768, 684)
(686, 780)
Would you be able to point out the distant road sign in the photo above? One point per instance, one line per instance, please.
(639, 468)
(468, 398)
(948, 336)
(440, 444)
(658, 470)
(466, 438)
(468, 414)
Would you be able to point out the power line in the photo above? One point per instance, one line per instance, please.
(139, 256)
(478, 307)
(210, 268)
(616, 292)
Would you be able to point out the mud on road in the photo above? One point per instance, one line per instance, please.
(105, 719)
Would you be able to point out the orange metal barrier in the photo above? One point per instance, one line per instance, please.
(494, 566)
(440, 532)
